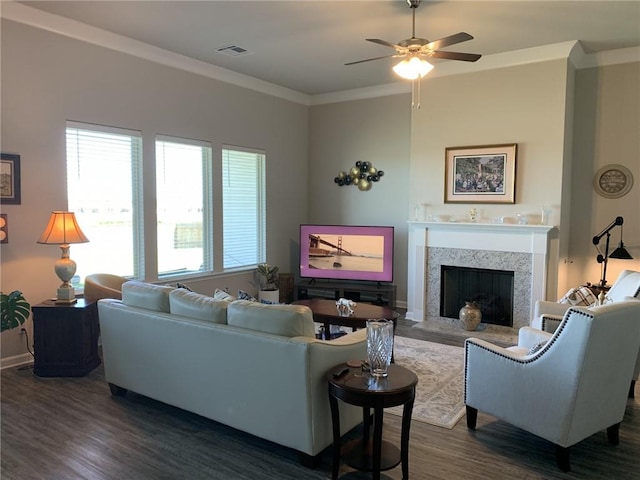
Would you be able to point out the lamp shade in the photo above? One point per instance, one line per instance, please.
(412, 68)
(62, 229)
(621, 253)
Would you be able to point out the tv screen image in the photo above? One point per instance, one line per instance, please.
(344, 252)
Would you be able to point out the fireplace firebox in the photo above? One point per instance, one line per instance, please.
(491, 290)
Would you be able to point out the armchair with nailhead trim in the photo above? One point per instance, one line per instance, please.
(568, 388)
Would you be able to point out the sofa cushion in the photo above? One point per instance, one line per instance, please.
(195, 305)
(146, 295)
(285, 320)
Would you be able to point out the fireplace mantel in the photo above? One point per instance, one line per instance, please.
(530, 239)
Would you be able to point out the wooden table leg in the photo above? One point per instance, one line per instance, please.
(404, 437)
(377, 442)
(335, 422)
(366, 423)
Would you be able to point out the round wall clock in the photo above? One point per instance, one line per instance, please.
(613, 181)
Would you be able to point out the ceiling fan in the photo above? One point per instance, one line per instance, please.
(415, 51)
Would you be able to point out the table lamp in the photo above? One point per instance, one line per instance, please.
(63, 230)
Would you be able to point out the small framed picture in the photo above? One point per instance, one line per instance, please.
(9, 179)
(4, 228)
(481, 174)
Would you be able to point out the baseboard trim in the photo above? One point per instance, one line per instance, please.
(16, 360)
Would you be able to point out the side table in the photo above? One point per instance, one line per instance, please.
(359, 388)
(65, 338)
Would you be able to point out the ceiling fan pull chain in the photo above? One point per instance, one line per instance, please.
(415, 93)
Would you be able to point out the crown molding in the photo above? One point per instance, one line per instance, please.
(96, 36)
(571, 50)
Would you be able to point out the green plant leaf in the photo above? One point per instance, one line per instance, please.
(14, 310)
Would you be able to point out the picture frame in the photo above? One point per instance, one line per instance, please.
(4, 228)
(9, 179)
(480, 174)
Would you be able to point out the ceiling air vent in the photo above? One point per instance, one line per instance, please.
(233, 51)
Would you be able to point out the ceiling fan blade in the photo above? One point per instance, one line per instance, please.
(369, 59)
(465, 57)
(450, 40)
(385, 43)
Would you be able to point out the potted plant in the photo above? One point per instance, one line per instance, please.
(15, 310)
(269, 283)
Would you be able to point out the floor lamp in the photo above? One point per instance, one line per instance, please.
(619, 253)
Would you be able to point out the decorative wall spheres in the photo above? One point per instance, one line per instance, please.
(362, 175)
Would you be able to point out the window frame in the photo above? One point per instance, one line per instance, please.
(207, 206)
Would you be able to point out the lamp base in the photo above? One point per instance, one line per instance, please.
(66, 295)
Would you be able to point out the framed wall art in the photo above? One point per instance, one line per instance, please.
(480, 174)
(4, 228)
(9, 179)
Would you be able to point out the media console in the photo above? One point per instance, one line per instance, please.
(371, 292)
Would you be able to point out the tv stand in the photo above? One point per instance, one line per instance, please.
(376, 293)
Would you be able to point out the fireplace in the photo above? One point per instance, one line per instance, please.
(524, 250)
(491, 290)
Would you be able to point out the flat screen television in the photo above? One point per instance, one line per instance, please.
(345, 252)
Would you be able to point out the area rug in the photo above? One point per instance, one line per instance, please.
(439, 393)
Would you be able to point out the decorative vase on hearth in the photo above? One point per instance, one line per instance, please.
(470, 316)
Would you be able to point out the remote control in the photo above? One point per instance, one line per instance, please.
(340, 373)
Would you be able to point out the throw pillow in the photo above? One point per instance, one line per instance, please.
(222, 295)
(536, 348)
(242, 295)
(579, 297)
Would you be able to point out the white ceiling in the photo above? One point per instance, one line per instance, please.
(303, 45)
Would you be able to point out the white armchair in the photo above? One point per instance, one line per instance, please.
(548, 315)
(583, 370)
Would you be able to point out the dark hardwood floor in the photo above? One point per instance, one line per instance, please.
(72, 428)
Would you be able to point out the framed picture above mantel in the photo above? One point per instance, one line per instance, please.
(480, 174)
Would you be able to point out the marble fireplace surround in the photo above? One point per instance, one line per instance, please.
(523, 249)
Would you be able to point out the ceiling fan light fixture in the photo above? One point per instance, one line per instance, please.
(412, 68)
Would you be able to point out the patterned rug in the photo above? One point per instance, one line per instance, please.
(439, 393)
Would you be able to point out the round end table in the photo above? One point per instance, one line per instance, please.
(357, 387)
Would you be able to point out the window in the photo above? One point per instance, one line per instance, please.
(104, 188)
(243, 191)
(183, 179)
(103, 168)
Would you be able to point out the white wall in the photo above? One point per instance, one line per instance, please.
(48, 79)
(606, 131)
(376, 131)
(524, 105)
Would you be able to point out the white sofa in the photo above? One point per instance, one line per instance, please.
(257, 368)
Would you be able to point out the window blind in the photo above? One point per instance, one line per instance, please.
(243, 191)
